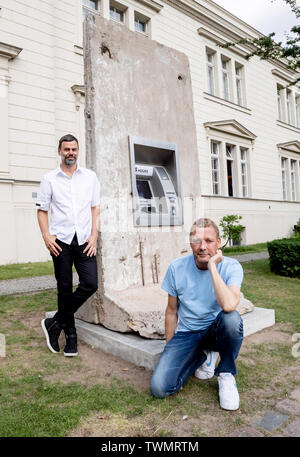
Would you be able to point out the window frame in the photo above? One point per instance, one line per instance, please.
(118, 7)
(284, 161)
(89, 9)
(215, 156)
(141, 18)
(239, 82)
(210, 71)
(293, 171)
(244, 164)
(225, 76)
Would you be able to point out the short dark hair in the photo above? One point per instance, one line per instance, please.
(204, 222)
(67, 137)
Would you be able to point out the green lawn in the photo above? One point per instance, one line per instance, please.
(32, 404)
(26, 270)
(259, 247)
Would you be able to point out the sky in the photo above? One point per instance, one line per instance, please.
(266, 16)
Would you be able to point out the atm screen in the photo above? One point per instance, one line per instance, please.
(143, 189)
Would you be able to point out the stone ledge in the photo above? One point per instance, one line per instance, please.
(144, 352)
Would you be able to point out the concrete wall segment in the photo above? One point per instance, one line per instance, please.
(132, 88)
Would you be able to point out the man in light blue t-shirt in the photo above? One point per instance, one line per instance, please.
(201, 321)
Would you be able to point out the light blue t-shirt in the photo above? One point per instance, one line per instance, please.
(197, 303)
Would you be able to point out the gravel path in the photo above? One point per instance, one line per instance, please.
(24, 285)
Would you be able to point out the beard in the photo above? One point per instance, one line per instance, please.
(69, 160)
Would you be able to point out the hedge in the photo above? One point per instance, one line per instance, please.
(285, 257)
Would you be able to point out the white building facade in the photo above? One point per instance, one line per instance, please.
(247, 117)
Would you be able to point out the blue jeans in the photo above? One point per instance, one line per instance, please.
(183, 354)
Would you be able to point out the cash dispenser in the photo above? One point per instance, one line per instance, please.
(155, 183)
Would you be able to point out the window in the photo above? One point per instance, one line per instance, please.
(230, 157)
(225, 78)
(289, 106)
(244, 173)
(141, 23)
(283, 178)
(238, 83)
(293, 180)
(230, 169)
(297, 110)
(210, 71)
(288, 102)
(215, 168)
(89, 6)
(279, 102)
(116, 14)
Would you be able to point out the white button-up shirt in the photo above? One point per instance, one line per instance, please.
(70, 201)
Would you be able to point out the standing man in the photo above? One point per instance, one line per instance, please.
(201, 318)
(73, 195)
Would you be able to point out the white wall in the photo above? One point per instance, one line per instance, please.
(42, 107)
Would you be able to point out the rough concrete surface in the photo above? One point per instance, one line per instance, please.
(134, 87)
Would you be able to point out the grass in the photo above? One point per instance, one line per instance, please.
(274, 291)
(26, 270)
(259, 247)
(33, 405)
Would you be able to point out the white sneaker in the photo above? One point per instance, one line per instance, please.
(207, 369)
(228, 393)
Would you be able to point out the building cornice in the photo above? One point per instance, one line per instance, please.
(78, 89)
(288, 76)
(8, 51)
(291, 146)
(221, 41)
(211, 19)
(152, 4)
(79, 92)
(228, 31)
(230, 127)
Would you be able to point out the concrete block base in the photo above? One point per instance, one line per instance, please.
(145, 352)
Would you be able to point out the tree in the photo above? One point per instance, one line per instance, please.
(266, 48)
(231, 228)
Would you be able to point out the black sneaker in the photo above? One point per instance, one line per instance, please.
(52, 331)
(71, 340)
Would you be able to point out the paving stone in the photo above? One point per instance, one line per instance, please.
(295, 394)
(246, 432)
(271, 420)
(289, 406)
(293, 429)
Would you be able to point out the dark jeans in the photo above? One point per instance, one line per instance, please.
(184, 353)
(68, 301)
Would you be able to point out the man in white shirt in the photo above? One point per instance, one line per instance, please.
(72, 193)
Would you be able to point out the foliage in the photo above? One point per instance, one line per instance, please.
(266, 48)
(296, 229)
(285, 257)
(231, 228)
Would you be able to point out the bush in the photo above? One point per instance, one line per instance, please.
(231, 228)
(296, 229)
(285, 257)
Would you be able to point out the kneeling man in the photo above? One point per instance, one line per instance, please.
(201, 318)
